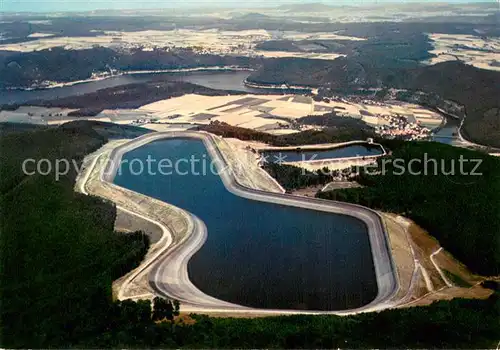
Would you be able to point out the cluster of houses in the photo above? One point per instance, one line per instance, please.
(142, 121)
(402, 128)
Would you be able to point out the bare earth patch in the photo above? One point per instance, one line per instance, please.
(435, 263)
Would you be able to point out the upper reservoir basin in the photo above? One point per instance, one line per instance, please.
(257, 254)
(322, 154)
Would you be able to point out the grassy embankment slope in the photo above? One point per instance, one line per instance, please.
(461, 211)
(59, 255)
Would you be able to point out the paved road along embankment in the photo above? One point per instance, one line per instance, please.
(169, 275)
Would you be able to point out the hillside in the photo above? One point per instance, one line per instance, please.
(59, 255)
(467, 225)
(126, 96)
(476, 89)
(19, 69)
(58, 251)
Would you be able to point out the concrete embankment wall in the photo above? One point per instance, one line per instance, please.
(318, 147)
(384, 266)
(322, 148)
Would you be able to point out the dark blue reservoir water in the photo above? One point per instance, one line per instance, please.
(259, 254)
(342, 152)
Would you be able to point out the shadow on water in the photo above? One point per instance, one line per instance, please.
(261, 254)
(214, 80)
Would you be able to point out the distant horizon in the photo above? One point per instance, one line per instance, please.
(50, 6)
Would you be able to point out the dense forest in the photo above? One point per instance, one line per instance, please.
(477, 90)
(344, 130)
(367, 63)
(59, 255)
(292, 177)
(387, 49)
(441, 193)
(126, 96)
(57, 64)
(58, 251)
(225, 130)
(447, 324)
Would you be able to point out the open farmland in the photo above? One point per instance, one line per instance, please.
(480, 52)
(236, 175)
(278, 113)
(202, 41)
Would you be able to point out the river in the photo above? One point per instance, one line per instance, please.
(448, 133)
(222, 80)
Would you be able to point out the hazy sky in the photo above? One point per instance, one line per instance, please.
(79, 5)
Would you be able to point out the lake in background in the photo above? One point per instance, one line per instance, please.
(215, 80)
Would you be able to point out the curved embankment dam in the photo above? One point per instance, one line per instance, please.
(251, 250)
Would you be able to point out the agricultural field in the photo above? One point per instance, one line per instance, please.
(277, 113)
(480, 52)
(35, 115)
(203, 41)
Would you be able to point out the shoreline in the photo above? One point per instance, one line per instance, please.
(468, 143)
(278, 87)
(327, 147)
(136, 72)
(318, 147)
(387, 281)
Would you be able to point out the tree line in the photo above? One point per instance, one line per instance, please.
(461, 208)
(59, 255)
